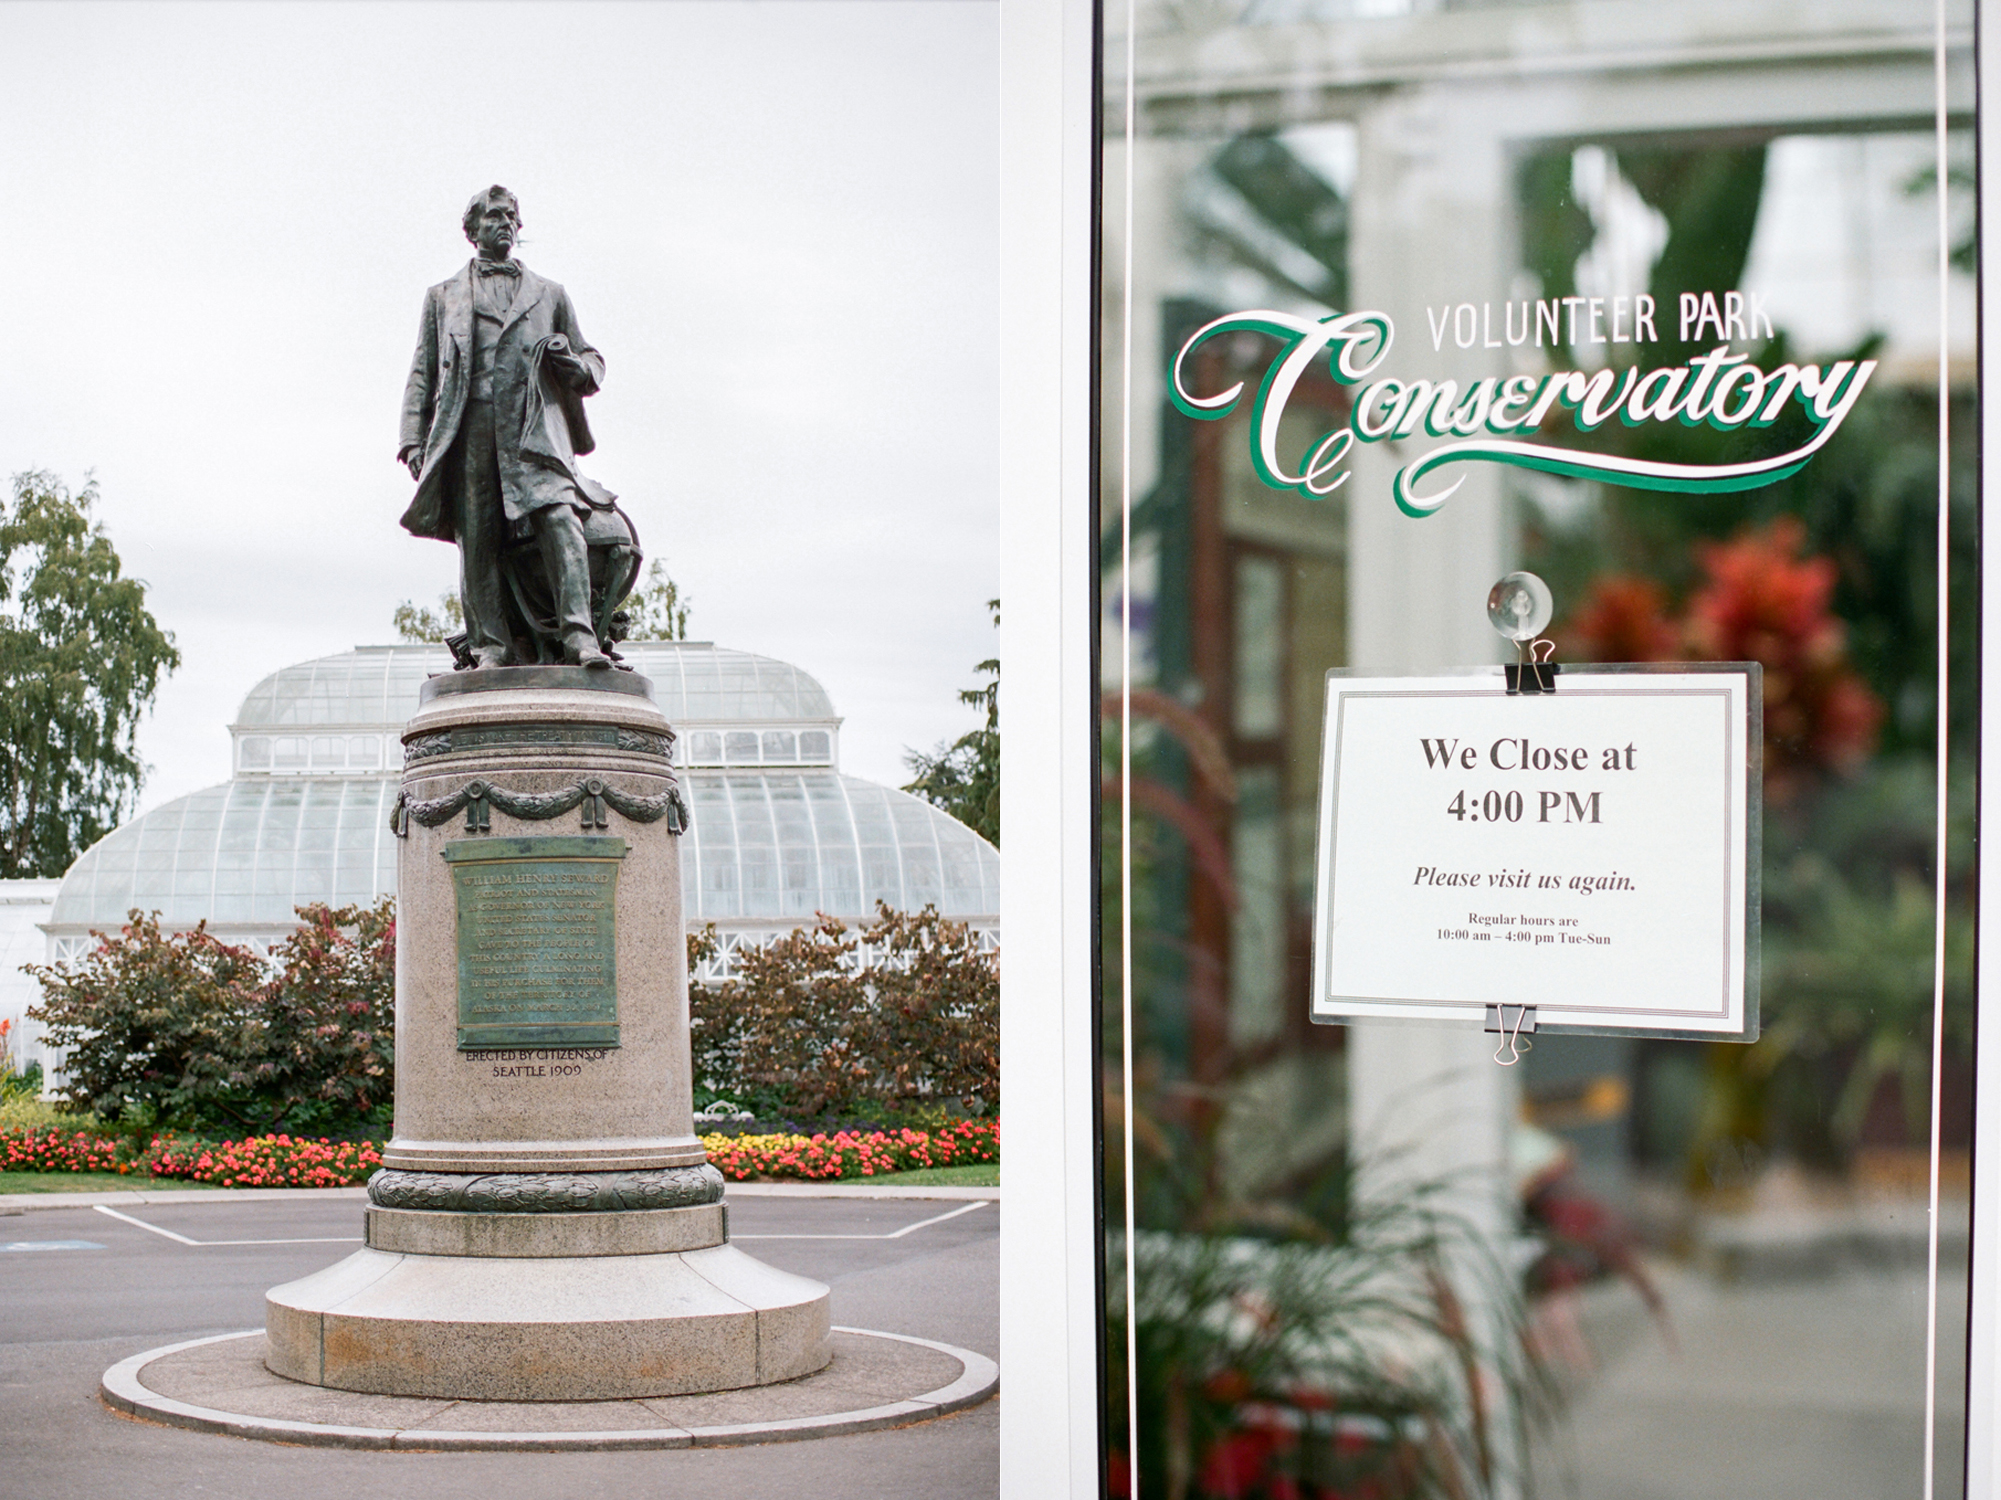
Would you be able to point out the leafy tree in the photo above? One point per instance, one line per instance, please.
(81, 658)
(182, 1030)
(1295, 202)
(657, 610)
(964, 777)
(425, 627)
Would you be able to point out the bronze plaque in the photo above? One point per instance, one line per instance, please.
(537, 941)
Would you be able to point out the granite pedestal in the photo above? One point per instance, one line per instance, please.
(546, 1226)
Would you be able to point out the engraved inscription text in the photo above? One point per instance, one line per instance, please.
(537, 941)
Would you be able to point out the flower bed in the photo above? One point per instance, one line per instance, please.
(262, 1161)
(53, 1149)
(266, 1161)
(291, 1161)
(845, 1154)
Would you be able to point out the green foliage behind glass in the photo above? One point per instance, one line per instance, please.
(1844, 1061)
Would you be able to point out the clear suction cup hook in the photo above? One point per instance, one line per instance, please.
(1520, 606)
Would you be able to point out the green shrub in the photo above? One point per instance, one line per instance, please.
(184, 1031)
(29, 1112)
(803, 1030)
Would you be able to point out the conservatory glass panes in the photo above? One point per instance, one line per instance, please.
(245, 852)
(790, 844)
(773, 847)
(757, 852)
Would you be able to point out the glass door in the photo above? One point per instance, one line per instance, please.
(1671, 306)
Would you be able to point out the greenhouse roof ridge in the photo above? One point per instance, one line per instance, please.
(374, 688)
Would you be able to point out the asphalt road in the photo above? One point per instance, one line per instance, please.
(68, 1314)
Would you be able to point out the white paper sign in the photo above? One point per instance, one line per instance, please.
(1585, 852)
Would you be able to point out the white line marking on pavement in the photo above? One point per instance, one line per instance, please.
(355, 1239)
(894, 1234)
(181, 1239)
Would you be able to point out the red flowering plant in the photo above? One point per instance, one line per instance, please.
(849, 1154)
(1383, 1353)
(261, 1161)
(265, 1161)
(52, 1149)
(300, 1161)
(1848, 918)
(1760, 601)
(1765, 603)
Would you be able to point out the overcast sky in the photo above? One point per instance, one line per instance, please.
(777, 221)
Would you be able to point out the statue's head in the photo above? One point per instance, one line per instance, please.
(493, 221)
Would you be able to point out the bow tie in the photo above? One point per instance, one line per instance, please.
(498, 268)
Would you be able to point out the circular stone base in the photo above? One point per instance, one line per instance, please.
(220, 1384)
(547, 1328)
(645, 1231)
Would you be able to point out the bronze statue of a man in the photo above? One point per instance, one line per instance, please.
(493, 421)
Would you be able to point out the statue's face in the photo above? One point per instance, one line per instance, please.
(495, 229)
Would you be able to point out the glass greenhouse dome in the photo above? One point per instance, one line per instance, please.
(780, 832)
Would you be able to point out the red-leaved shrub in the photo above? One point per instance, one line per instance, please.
(1759, 601)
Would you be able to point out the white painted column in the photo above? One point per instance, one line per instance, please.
(1432, 203)
(1049, 1047)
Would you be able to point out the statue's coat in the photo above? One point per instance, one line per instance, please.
(539, 419)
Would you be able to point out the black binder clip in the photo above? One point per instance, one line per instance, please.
(1535, 673)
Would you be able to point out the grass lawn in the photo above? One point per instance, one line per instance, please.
(88, 1182)
(981, 1174)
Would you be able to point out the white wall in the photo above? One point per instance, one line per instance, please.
(24, 905)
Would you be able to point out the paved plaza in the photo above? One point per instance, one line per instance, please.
(1809, 1389)
(163, 1272)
